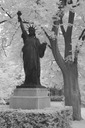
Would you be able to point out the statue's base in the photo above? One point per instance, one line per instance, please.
(30, 98)
(30, 86)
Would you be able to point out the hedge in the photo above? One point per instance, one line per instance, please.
(56, 98)
(52, 117)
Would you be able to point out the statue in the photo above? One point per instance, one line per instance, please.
(32, 52)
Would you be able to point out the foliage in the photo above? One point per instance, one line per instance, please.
(11, 42)
(57, 98)
(40, 13)
(48, 118)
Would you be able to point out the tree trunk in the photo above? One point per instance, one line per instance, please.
(69, 68)
(70, 73)
(71, 90)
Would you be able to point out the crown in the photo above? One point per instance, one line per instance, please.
(31, 28)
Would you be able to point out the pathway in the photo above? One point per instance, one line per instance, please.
(80, 124)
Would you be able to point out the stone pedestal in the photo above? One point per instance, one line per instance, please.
(30, 98)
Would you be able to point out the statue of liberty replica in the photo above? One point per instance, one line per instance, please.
(31, 94)
(32, 52)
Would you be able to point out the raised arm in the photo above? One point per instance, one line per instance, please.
(21, 23)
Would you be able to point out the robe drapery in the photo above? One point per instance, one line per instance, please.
(32, 52)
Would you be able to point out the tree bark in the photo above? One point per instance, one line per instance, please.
(71, 90)
(71, 87)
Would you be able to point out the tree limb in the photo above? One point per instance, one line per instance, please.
(4, 50)
(55, 24)
(3, 21)
(7, 14)
(49, 46)
(62, 27)
(46, 33)
(56, 53)
(5, 11)
(55, 50)
(13, 36)
(70, 21)
(68, 34)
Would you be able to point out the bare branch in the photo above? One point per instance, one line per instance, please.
(46, 33)
(13, 36)
(55, 50)
(62, 27)
(68, 35)
(11, 17)
(49, 46)
(6, 12)
(4, 50)
(82, 35)
(7, 19)
(70, 21)
(1, 22)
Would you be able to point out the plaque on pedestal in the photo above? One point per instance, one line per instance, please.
(30, 98)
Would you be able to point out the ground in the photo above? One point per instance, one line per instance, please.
(80, 124)
(75, 124)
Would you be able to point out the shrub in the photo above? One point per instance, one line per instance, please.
(57, 98)
(48, 118)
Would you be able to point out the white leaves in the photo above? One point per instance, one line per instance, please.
(69, 58)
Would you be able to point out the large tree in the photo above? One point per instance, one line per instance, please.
(68, 65)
